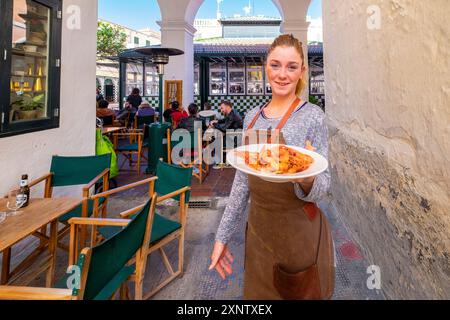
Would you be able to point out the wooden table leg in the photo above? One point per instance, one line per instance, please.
(6, 264)
(52, 249)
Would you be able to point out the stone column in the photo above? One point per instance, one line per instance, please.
(299, 29)
(180, 35)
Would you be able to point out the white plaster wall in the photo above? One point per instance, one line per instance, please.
(31, 153)
(180, 35)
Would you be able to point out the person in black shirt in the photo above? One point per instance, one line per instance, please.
(232, 120)
(189, 122)
(168, 113)
(134, 100)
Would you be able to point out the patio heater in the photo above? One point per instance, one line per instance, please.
(157, 131)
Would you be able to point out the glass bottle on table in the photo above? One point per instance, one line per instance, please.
(23, 196)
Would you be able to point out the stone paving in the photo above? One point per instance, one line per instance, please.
(198, 283)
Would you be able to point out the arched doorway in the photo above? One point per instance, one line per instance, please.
(109, 90)
(177, 31)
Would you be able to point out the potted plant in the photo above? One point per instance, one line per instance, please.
(30, 107)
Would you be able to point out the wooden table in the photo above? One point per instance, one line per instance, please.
(109, 130)
(38, 214)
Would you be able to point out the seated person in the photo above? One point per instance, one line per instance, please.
(177, 115)
(131, 106)
(208, 114)
(145, 110)
(103, 111)
(189, 122)
(208, 107)
(232, 120)
(168, 113)
(99, 97)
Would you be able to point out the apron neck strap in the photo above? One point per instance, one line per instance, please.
(283, 120)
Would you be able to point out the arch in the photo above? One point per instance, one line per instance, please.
(109, 90)
(194, 5)
(192, 9)
(280, 9)
(290, 10)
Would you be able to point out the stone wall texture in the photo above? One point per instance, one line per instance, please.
(388, 106)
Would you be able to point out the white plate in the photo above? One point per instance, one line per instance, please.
(319, 165)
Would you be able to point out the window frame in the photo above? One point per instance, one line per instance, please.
(247, 81)
(52, 120)
(243, 69)
(225, 82)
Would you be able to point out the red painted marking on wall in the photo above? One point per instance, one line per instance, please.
(350, 251)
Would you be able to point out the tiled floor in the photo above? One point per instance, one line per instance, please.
(351, 267)
(197, 282)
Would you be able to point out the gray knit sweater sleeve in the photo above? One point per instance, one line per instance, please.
(237, 202)
(307, 123)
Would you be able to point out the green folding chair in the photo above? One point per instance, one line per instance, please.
(173, 183)
(74, 171)
(106, 268)
(138, 146)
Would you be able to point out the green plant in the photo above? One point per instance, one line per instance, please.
(30, 102)
(313, 100)
(111, 40)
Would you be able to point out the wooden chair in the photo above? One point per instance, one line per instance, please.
(73, 171)
(129, 120)
(229, 136)
(105, 268)
(192, 155)
(130, 149)
(107, 121)
(140, 121)
(173, 183)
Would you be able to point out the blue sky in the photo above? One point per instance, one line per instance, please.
(140, 14)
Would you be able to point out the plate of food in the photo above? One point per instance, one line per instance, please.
(277, 163)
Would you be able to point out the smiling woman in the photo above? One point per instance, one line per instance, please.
(289, 250)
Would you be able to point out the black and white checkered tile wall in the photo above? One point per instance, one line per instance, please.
(154, 101)
(240, 103)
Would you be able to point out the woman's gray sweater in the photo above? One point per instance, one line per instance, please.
(306, 123)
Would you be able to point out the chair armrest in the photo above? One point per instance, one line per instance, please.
(39, 180)
(130, 212)
(119, 189)
(135, 131)
(103, 174)
(99, 222)
(128, 134)
(172, 194)
(30, 293)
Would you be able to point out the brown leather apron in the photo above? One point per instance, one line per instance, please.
(289, 248)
